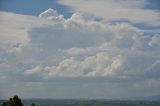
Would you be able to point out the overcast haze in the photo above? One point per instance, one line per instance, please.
(79, 48)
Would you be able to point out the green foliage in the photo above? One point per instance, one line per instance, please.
(34, 104)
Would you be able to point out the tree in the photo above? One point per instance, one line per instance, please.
(4, 104)
(33, 104)
(15, 101)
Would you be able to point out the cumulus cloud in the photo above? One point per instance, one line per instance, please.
(86, 45)
(92, 66)
(51, 15)
(49, 47)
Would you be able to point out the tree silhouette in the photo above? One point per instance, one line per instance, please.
(33, 104)
(4, 104)
(15, 101)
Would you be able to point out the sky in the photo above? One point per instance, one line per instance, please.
(70, 49)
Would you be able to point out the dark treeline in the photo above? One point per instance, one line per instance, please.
(15, 101)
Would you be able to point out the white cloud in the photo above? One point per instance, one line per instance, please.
(155, 42)
(51, 15)
(14, 29)
(75, 49)
(35, 70)
(111, 10)
(99, 65)
(89, 42)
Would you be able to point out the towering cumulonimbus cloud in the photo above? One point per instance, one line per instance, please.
(104, 48)
(80, 49)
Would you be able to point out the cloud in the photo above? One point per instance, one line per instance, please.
(83, 43)
(113, 10)
(32, 71)
(154, 42)
(153, 71)
(80, 50)
(51, 15)
(13, 35)
(99, 65)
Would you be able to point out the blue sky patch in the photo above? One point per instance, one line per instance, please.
(32, 7)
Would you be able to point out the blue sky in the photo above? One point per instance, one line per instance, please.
(79, 48)
(30, 7)
(153, 4)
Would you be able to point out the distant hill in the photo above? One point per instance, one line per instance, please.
(73, 102)
(146, 98)
(80, 102)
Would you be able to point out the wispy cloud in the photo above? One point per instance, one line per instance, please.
(134, 11)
